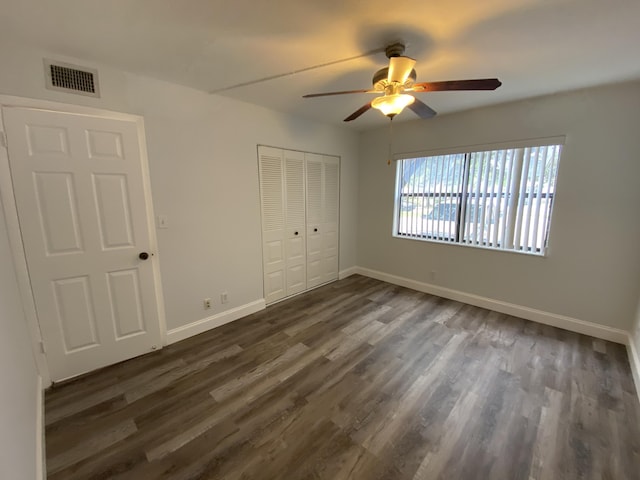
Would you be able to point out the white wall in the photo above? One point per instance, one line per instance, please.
(204, 176)
(635, 334)
(18, 377)
(592, 268)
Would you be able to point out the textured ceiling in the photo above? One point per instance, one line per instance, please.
(533, 46)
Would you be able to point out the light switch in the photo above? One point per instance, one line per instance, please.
(163, 221)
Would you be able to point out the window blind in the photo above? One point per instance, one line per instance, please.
(499, 198)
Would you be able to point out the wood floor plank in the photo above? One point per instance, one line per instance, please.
(237, 384)
(100, 440)
(174, 441)
(357, 380)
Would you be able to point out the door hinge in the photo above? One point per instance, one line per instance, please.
(3, 140)
(42, 349)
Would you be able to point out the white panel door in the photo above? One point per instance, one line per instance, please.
(81, 202)
(295, 232)
(271, 166)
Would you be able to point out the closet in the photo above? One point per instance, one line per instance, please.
(299, 196)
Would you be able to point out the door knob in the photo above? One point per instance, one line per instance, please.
(295, 233)
(315, 229)
(143, 256)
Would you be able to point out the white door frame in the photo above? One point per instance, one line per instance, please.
(15, 235)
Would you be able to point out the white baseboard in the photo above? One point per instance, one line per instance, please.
(214, 321)
(41, 458)
(634, 360)
(347, 272)
(539, 316)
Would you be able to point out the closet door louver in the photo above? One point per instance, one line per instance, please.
(273, 226)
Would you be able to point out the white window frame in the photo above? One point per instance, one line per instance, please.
(472, 149)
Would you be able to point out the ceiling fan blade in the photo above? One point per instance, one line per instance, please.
(477, 84)
(358, 112)
(422, 109)
(400, 69)
(311, 95)
(294, 72)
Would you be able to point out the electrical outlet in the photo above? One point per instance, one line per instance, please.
(224, 298)
(207, 303)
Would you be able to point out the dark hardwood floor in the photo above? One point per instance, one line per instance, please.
(358, 379)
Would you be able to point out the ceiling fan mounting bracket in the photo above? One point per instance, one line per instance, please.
(394, 50)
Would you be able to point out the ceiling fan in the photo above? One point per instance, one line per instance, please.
(396, 81)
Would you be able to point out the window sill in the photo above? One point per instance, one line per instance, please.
(481, 247)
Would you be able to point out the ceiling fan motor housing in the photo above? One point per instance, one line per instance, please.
(380, 82)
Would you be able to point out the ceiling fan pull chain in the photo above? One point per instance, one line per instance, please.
(390, 139)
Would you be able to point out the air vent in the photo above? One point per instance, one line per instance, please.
(71, 78)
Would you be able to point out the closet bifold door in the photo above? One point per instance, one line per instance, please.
(299, 197)
(323, 203)
(330, 217)
(315, 171)
(271, 169)
(295, 232)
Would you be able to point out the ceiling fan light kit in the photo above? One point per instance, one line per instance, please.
(397, 79)
(392, 105)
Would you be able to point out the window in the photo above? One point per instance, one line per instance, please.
(499, 199)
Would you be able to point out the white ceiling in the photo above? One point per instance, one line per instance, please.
(534, 46)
